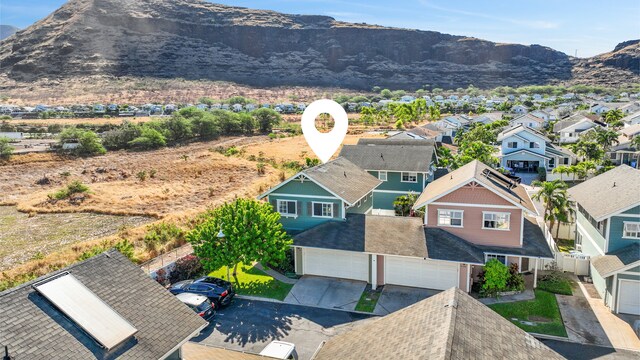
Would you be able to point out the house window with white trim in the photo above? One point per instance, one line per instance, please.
(501, 258)
(631, 230)
(287, 207)
(321, 209)
(382, 175)
(410, 177)
(495, 220)
(512, 144)
(534, 145)
(450, 218)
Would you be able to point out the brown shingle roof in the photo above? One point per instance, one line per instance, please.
(449, 325)
(609, 264)
(608, 193)
(475, 171)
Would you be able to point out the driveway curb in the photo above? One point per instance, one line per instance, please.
(558, 338)
(257, 298)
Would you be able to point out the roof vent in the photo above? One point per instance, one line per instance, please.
(381, 156)
(614, 184)
(345, 173)
(452, 303)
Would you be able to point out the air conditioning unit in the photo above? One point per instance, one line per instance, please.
(579, 247)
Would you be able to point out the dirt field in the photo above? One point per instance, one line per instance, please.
(188, 178)
(23, 237)
(78, 121)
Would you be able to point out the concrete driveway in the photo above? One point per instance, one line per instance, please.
(326, 292)
(249, 325)
(394, 298)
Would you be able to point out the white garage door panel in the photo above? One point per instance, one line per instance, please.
(336, 263)
(629, 297)
(420, 273)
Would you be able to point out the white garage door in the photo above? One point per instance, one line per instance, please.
(629, 297)
(336, 263)
(420, 273)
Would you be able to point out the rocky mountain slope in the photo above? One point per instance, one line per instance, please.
(200, 40)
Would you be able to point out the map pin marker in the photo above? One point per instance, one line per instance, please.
(324, 145)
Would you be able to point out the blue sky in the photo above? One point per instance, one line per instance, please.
(588, 26)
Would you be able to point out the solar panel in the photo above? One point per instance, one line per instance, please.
(87, 310)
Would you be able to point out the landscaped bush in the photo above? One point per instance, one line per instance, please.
(185, 268)
(497, 277)
(163, 235)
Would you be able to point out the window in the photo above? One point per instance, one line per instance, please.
(631, 230)
(411, 177)
(359, 203)
(450, 218)
(495, 220)
(565, 161)
(512, 144)
(322, 209)
(382, 176)
(501, 258)
(287, 207)
(534, 145)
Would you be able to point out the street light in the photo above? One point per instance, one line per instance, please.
(220, 233)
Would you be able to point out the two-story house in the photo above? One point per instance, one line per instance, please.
(403, 166)
(528, 120)
(525, 150)
(570, 129)
(608, 229)
(322, 193)
(472, 214)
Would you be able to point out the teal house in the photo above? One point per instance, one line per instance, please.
(403, 166)
(326, 192)
(608, 229)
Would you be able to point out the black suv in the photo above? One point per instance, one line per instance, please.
(217, 290)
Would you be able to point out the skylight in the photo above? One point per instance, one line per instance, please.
(87, 310)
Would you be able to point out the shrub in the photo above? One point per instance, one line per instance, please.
(126, 248)
(186, 268)
(6, 150)
(266, 119)
(495, 278)
(515, 282)
(232, 150)
(261, 168)
(161, 277)
(542, 174)
(142, 175)
(149, 139)
(75, 187)
(161, 234)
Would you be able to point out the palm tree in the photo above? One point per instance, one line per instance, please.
(613, 115)
(562, 169)
(552, 194)
(606, 138)
(562, 211)
(635, 142)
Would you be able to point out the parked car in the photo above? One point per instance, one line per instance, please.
(280, 350)
(217, 290)
(198, 303)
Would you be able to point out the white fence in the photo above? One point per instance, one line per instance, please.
(570, 262)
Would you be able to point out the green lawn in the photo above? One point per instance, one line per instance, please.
(541, 314)
(254, 282)
(368, 300)
(556, 285)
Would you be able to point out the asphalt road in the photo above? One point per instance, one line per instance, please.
(250, 325)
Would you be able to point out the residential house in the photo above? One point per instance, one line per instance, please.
(322, 193)
(524, 149)
(543, 114)
(630, 108)
(528, 120)
(623, 152)
(407, 99)
(448, 325)
(520, 109)
(608, 229)
(570, 129)
(105, 307)
(472, 214)
(250, 107)
(402, 166)
(236, 107)
(632, 119)
(488, 118)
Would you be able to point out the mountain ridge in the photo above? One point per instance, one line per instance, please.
(201, 40)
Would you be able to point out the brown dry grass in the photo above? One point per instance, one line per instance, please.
(78, 121)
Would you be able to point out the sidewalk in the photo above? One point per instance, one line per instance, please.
(274, 274)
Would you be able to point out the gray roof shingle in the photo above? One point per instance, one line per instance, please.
(389, 154)
(33, 328)
(608, 193)
(449, 325)
(608, 264)
(343, 178)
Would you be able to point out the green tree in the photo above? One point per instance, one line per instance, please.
(434, 112)
(612, 116)
(445, 157)
(88, 142)
(6, 150)
(606, 138)
(247, 123)
(178, 128)
(588, 149)
(635, 142)
(386, 93)
(149, 138)
(475, 150)
(266, 119)
(251, 232)
(562, 169)
(403, 204)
